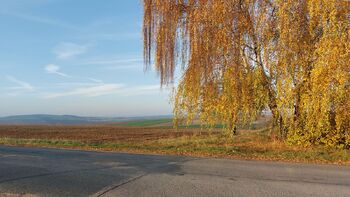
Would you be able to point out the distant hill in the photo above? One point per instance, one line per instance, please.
(38, 119)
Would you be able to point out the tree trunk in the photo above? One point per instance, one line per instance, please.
(234, 130)
(332, 115)
(281, 128)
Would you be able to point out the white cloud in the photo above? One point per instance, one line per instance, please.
(67, 50)
(125, 67)
(112, 61)
(115, 63)
(76, 84)
(95, 80)
(21, 85)
(112, 36)
(92, 82)
(54, 69)
(96, 90)
(99, 88)
(39, 19)
(145, 90)
(150, 87)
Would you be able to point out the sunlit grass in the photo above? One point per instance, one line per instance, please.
(144, 123)
(248, 145)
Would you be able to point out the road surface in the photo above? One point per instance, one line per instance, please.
(51, 172)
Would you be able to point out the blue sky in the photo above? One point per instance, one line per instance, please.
(81, 57)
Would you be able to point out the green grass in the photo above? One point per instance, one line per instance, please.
(158, 122)
(146, 123)
(197, 126)
(254, 126)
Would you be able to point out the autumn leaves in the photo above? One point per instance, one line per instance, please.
(241, 57)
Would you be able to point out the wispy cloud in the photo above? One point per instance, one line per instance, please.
(54, 69)
(93, 91)
(124, 67)
(67, 50)
(39, 19)
(104, 61)
(99, 89)
(149, 87)
(95, 80)
(144, 90)
(92, 82)
(112, 36)
(76, 84)
(115, 63)
(21, 85)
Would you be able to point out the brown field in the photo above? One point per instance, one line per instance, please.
(95, 133)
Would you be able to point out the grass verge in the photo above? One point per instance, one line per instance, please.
(146, 123)
(256, 145)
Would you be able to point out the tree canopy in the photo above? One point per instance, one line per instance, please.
(241, 57)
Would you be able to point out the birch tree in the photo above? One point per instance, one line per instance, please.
(241, 57)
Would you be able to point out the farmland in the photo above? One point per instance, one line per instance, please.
(256, 143)
(147, 123)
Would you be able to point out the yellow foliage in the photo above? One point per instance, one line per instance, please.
(241, 57)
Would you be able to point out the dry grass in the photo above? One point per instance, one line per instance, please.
(249, 144)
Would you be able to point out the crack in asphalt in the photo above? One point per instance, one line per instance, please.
(161, 168)
(142, 167)
(51, 174)
(106, 190)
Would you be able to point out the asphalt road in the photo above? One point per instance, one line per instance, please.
(52, 172)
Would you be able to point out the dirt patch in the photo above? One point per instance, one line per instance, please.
(103, 133)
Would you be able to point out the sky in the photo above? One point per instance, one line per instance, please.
(76, 57)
